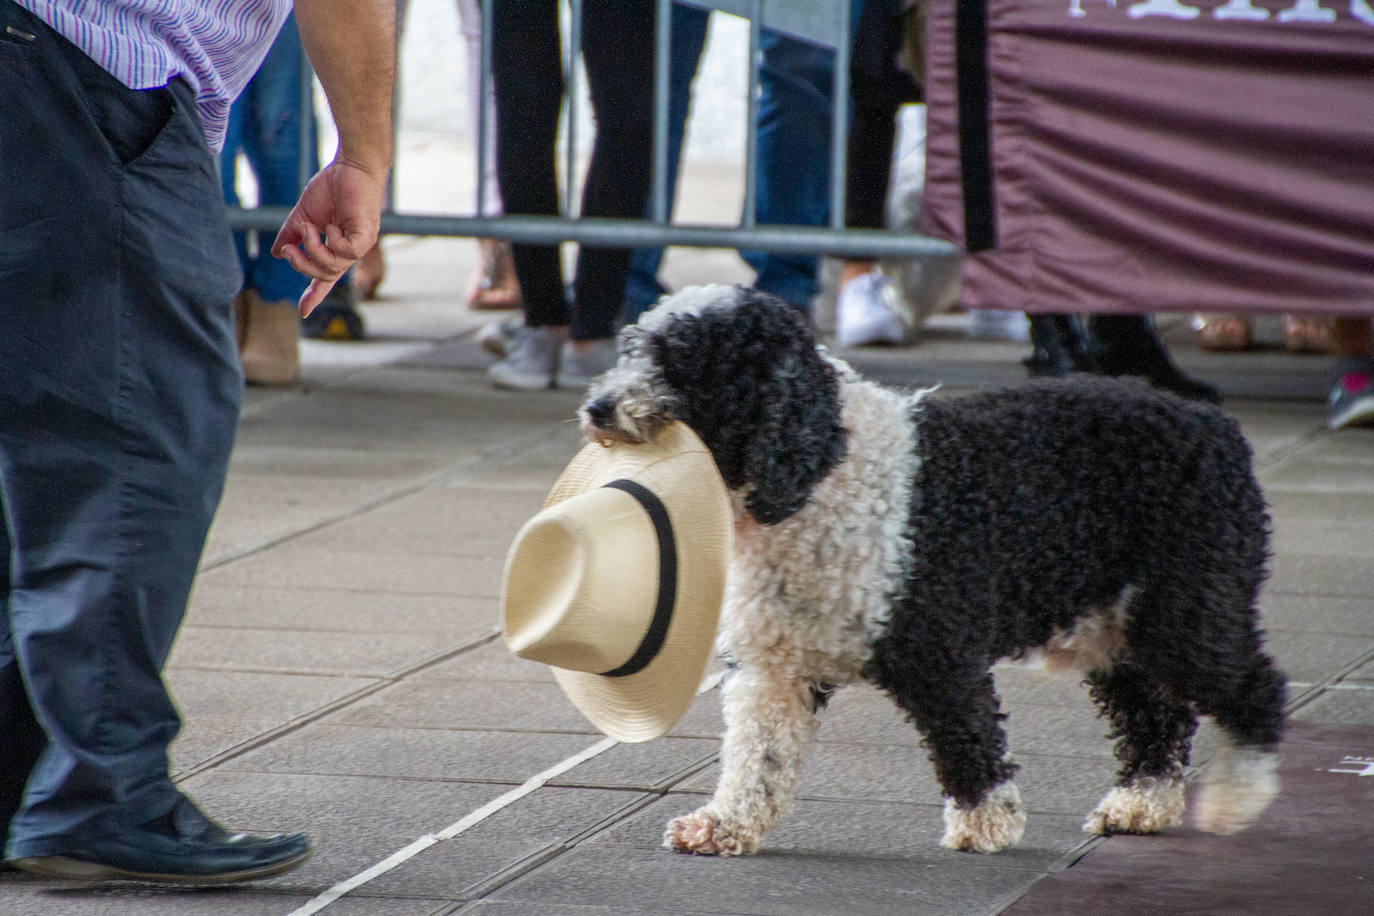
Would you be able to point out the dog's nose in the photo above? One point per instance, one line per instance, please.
(601, 412)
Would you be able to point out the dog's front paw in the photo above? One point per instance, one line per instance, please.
(997, 822)
(701, 833)
(1146, 805)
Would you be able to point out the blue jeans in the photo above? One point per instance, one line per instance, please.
(265, 126)
(792, 175)
(792, 171)
(119, 397)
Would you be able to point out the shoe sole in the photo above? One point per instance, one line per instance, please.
(78, 870)
(337, 329)
(1357, 416)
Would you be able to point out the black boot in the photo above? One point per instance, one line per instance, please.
(1058, 347)
(1128, 345)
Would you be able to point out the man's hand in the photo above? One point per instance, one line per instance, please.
(333, 224)
(352, 44)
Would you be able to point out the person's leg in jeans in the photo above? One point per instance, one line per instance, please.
(797, 81)
(265, 126)
(689, 29)
(119, 396)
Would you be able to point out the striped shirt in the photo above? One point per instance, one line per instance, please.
(216, 45)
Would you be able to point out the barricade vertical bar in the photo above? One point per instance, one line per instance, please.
(839, 115)
(570, 72)
(751, 128)
(483, 90)
(663, 37)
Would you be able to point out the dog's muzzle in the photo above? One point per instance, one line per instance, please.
(601, 413)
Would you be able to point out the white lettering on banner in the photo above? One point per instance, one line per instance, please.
(1076, 7)
(1240, 9)
(1365, 764)
(1171, 8)
(1243, 10)
(1307, 11)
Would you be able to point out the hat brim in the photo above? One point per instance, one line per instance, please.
(679, 468)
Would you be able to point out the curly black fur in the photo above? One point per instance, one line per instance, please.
(1036, 505)
(1153, 730)
(754, 387)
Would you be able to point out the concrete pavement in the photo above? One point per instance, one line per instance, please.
(339, 671)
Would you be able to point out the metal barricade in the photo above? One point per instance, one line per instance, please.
(822, 21)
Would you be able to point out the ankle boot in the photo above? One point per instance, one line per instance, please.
(271, 342)
(1129, 345)
(1058, 347)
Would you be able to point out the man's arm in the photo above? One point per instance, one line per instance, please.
(352, 46)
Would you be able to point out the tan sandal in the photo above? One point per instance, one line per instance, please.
(1308, 334)
(494, 285)
(1223, 333)
(368, 273)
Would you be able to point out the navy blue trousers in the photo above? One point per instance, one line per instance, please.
(119, 397)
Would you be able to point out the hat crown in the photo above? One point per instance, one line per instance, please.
(572, 602)
(617, 583)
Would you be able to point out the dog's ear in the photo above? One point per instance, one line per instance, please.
(751, 383)
(798, 438)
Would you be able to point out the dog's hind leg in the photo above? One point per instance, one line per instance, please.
(1242, 778)
(1224, 673)
(962, 729)
(1153, 735)
(770, 719)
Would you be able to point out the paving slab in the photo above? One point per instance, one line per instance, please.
(326, 749)
(512, 842)
(776, 881)
(299, 607)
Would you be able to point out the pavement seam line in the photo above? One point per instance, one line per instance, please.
(464, 823)
(471, 819)
(328, 709)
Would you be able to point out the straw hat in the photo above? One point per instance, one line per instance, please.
(617, 583)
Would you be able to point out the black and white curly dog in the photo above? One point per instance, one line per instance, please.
(912, 541)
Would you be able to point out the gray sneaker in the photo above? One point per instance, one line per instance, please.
(576, 370)
(531, 362)
(496, 337)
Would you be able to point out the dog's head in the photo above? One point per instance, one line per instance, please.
(741, 369)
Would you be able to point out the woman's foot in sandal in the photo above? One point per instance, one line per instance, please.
(368, 274)
(1223, 333)
(494, 285)
(1307, 334)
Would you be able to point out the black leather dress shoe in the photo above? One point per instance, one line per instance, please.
(181, 847)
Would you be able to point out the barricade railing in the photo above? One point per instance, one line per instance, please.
(822, 21)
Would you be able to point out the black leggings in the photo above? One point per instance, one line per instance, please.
(878, 87)
(618, 52)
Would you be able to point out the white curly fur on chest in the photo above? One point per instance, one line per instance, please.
(812, 593)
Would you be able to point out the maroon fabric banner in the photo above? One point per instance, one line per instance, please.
(1156, 155)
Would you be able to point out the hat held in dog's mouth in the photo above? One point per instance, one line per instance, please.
(617, 582)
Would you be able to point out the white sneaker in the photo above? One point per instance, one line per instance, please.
(866, 312)
(576, 370)
(531, 363)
